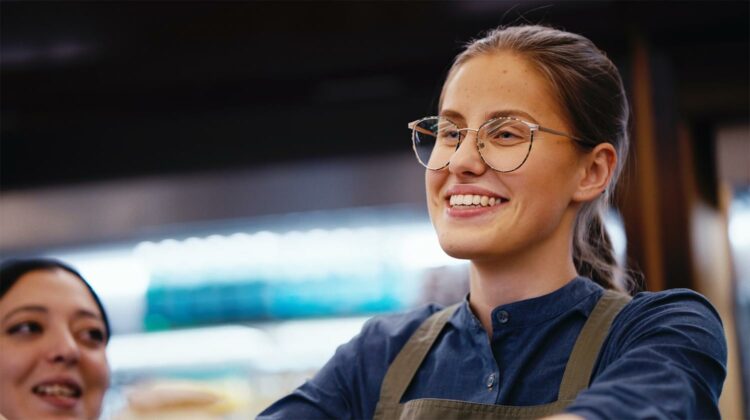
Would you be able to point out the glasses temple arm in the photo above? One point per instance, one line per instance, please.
(560, 133)
(420, 129)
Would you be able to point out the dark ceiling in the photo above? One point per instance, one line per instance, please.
(104, 90)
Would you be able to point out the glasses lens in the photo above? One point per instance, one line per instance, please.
(435, 140)
(505, 144)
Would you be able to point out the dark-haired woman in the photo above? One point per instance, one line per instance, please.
(527, 145)
(52, 343)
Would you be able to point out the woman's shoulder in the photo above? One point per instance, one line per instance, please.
(667, 313)
(665, 355)
(395, 329)
(368, 355)
(670, 303)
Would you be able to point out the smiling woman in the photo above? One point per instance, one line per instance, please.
(527, 145)
(53, 336)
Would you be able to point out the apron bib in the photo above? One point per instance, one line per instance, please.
(575, 378)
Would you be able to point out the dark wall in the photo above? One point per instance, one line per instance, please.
(104, 90)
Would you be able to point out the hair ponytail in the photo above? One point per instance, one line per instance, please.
(593, 254)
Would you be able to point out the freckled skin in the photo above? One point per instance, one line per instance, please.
(541, 211)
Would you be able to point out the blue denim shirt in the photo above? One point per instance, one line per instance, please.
(664, 357)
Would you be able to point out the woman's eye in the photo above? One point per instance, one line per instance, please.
(448, 136)
(505, 135)
(94, 334)
(25, 328)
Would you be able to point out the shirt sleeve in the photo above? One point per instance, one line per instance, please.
(348, 386)
(327, 394)
(665, 358)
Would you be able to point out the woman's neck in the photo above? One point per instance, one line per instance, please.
(499, 282)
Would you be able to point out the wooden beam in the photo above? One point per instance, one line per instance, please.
(639, 199)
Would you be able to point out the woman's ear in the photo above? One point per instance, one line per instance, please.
(597, 168)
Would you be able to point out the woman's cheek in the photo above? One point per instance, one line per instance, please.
(434, 181)
(98, 379)
(102, 368)
(13, 374)
(97, 369)
(13, 369)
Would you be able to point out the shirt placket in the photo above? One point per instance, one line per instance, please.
(489, 381)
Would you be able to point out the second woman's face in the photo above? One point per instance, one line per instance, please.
(53, 339)
(535, 201)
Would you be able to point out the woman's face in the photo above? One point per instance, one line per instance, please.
(52, 341)
(536, 201)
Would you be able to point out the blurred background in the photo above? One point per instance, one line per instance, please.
(236, 179)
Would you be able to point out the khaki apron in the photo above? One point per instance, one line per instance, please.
(575, 379)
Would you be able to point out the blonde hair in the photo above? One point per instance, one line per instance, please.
(589, 90)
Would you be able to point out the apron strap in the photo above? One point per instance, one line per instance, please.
(577, 371)
(586, 349)
(405, 365)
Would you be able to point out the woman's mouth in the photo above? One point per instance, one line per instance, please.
(459, 201)
(464, 206)
(61, 394)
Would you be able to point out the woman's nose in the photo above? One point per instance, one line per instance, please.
(63, 348)
(466, 160)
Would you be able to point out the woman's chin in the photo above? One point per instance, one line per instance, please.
(463, 250)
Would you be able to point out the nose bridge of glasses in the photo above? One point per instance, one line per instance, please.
(475, 130)
(463, 133)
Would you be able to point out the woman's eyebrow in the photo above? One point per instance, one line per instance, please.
(85, 313)
(449, 113)
(81, 313)
(30, 308)
(510, 113)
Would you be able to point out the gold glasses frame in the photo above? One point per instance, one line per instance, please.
(414, 126)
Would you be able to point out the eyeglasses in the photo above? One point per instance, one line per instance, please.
(504, 143)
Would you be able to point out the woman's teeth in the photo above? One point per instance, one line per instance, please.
(59, 390)
(474, 200)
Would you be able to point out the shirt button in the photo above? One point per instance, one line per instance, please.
(491, 381)
(503, 317)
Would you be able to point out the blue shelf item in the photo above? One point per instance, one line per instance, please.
(170, 304)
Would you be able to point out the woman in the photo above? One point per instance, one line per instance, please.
(53, 341)
(546, 329)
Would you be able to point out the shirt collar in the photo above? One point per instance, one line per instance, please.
(531, 311)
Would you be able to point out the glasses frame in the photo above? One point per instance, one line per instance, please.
(480, 143)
